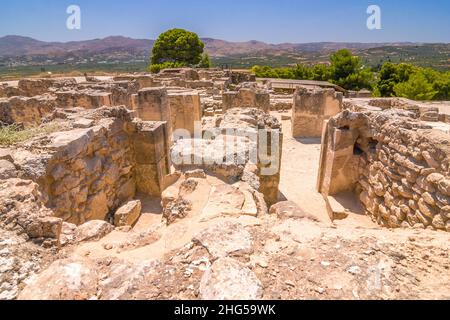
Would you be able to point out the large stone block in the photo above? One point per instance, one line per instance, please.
(311, 108)
(185, 109)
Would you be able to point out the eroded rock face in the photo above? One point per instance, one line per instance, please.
(289, 210)
(22, 210)
(224, 239)
(63, 280)
(26, 111)
(176, 209)
(96, 165)
(20, 261)
(93, 230)
(228, 279)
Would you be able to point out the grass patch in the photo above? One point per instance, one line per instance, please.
(13, 134)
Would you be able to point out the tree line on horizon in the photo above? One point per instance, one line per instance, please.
(177, 48)
(389, 80)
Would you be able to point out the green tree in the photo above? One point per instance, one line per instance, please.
(348, 72)
(321, 72)
(177, 46)
(388, 79)
(205, 62)
(416, 88)
(442, 85)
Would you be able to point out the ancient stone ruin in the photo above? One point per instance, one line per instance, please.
(210, 184)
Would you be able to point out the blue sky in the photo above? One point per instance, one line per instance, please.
(273, 21)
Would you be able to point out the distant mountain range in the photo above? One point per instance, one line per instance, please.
(25, 46)
(24, 56)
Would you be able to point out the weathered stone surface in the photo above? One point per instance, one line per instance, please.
(87, 99)
(250, 97)
(128, 214)
(26, 111)
(22, 210)
(224, 200)
(123, 278)
(93, 230)
(311, 108)
(288, 209)
(199, 174)
(63, 280)
(176, 209)
(225, 238)
(7, 170)
(185, 109)
(228, 279)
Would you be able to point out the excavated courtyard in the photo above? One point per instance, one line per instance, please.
(98, 205)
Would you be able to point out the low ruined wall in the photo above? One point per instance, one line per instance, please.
(398, 167)
(86, 99)
(234, 148)
(36, 87)
(407, 181)
(26, 111)
(246, 98)
(180, 108)
(311, 108)
(93, 171)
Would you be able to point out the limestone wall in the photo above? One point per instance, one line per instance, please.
(246, 98)
(7, 91)
(26, 111)
(231, 149)
(311, 108)
(91, 173)
(407, 177)
(86, 174)
(185, 109)
(152, 104)
(399, 167)
(35, 87)
(87, 99)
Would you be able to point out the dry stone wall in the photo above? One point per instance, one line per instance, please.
(26, 111)
(87, 99)
(87, 173)
(407, 181)
(398, 166)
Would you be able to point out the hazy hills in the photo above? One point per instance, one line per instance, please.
(23, 46)
(23, 55)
